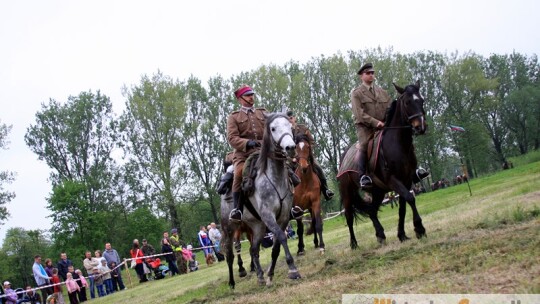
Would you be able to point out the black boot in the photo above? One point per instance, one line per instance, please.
(365, 181)
(420, 174)
(294, 178)
(225, 183)
(236, 213)
(328, 194)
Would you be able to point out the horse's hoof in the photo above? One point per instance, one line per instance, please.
(261, 282)
(321, 251)
(242, 273)
(300, 253)
(268, 282)
(294, 275)
(403, 238)
(381, 241)
(420, 235)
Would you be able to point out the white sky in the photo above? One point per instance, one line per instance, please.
(53, 49)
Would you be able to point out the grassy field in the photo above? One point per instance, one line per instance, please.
(485, 243)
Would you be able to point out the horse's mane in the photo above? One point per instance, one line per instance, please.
(267, 146)
(390, 112)
(301, 137)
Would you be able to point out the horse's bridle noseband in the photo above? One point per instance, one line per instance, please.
(278, 149)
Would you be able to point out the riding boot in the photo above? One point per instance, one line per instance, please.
(236, 213)
(365, 181)
(225, 183)
(420, 174)
(293, 177)
(328, 194)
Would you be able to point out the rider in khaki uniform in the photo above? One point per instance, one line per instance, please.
(369, 103)
(303, 129)
(245, 129)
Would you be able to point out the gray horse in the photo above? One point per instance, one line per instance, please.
(271, 202)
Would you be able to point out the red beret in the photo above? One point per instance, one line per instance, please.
(244, 90)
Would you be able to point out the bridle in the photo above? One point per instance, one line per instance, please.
(279, 154)
(404, 114)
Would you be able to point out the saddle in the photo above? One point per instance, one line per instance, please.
(249, 173)
(351, 160)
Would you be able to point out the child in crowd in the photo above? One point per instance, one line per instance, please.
(74, 276)
(82, 286)
(98, 281)
(107, 281)
(114, 277)
(72, 288)
(57, 287)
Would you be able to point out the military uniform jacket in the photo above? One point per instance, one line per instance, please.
(369, 108)
(241, 127)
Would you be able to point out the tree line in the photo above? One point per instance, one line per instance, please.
(156, 165)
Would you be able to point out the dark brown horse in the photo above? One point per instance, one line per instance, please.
(392, 166)
(307, 195)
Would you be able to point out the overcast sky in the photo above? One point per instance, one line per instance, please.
(54, 49)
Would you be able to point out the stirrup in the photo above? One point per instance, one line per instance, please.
(328, 194)
(235, 215)
(365, 181)
(421, 173)
(297, 212)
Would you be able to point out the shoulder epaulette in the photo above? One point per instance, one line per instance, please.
(234, 112)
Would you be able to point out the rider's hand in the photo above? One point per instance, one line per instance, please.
(380, 125)
(252, 144)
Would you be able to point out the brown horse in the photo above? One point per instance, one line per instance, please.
(392, 166)
(307, 195)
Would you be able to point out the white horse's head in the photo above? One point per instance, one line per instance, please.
(280, 130)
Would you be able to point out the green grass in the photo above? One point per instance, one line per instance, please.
(485, 243)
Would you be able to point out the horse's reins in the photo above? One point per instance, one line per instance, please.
(408, 126)
(281, 156)
(409, 118)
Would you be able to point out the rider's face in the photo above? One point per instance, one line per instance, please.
(247, 100)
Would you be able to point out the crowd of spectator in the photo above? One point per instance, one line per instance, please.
(102, 277)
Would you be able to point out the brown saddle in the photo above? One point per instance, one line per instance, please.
(351, 160)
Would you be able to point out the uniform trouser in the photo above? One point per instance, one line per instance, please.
(237, 181)
(363, 134)
(320, 173)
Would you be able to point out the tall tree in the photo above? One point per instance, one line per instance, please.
(6, 177)
(465, 85)
(152, 125)
(206, 146)
(76, 139)
(19, 247)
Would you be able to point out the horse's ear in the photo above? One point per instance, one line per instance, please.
(398, 88)
(418, 83)
(266, 115)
